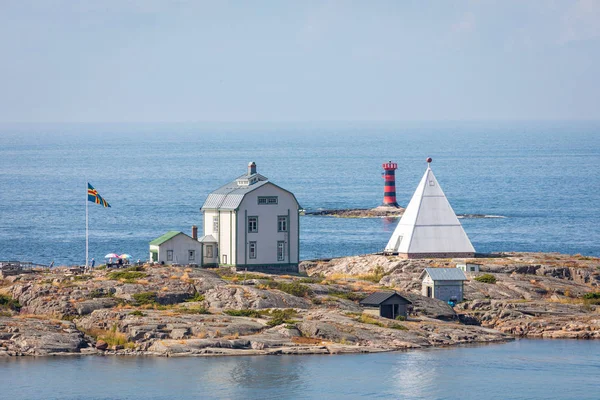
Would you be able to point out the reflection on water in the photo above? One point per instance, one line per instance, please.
(540, 369)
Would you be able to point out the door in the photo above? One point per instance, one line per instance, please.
(429, 291)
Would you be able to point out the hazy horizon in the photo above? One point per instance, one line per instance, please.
(183, 61)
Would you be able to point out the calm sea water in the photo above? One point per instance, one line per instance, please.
(543, 177)
(525, 369)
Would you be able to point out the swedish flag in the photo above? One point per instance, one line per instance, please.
(94, 197)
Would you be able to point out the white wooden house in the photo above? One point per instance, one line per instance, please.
(175, 247)
(254, 224)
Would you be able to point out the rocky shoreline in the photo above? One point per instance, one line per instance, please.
(380, 212)
(180, 311)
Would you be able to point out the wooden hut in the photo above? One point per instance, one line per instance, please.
(386, 304)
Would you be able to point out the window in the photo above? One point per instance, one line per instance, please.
(252, 249)
(169, 255)
(431, 183)
(282, 223)
(209, 251)
(280, 251)
(191, 255)
(216, 224)
(252, 224)
(262, 200)
(224, 258)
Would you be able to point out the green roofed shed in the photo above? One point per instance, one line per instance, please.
(167, 236)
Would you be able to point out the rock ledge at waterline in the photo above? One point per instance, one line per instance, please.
(179, 311)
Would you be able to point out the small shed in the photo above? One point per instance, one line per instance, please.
(210, 254)
(444, 284)
(386, 304)
(468, 267)
(175, 247)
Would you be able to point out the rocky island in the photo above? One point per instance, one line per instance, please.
(182, 311)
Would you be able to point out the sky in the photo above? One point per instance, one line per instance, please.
(148, 61)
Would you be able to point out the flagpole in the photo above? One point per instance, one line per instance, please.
(86, 227)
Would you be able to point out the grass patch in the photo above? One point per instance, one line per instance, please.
(137, 313)
(8, 302)
(111, 337)
(312, 279)
(375, 276)
(397, 326)
(144, 298)
(84, 277)
(243, 313)
(192, 310)
(592, 298)
(486, 278)
(365, 319)
(294, 288)
(99, 293)
(127, 276)
(347, 295)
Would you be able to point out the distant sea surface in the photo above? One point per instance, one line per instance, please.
(524, 369)
(543, 177)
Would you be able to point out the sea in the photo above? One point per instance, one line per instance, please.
(539, 182)
(523, 369)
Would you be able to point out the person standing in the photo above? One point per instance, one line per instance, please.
(93, 262)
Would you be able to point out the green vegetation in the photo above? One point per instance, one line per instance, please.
(230, 275)
(243, 313)
(400, 318)
(375, 276)
(145, 298)
(486, 278)
(294, 288)
(127, 276)
(112, 337)
(279, 317)
(84, 277)
(592, 298)
(8, 302)
(347, 295)
(137, 313)
(397, 326)
(192, 310)
(365, 319)
(197, 297)
(312, 279)
(99, 293)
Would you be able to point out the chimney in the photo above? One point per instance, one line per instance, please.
(251, 168)
(194, 232)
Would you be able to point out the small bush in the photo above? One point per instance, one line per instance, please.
(145, 298)
(279, 317)
(400, 318)
(365, 319)
(9, 302)
(592, 296)
(243, 313)
(312, 279)
(316, 301)
(137, 313)
(197, 297)
(127, 276)
(397, 326)
(486, 278)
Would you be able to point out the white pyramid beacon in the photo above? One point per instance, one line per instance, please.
(429, 227)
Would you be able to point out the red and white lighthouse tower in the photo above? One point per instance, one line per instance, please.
(389, 190)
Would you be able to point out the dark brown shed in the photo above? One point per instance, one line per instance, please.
(390, 304)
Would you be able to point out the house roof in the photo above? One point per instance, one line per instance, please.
(167, 236)
(429, 224)
(375, 299)
(207, 239)
(444, 274)
(230, 195)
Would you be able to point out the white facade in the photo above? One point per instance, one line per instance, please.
(255, 224)
(468, 267)
(429, 227)
(179, 249)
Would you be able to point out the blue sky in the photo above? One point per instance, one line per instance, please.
(188, 61)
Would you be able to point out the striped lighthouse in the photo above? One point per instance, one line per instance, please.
(389, 190)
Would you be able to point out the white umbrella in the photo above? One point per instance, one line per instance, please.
(111, 255)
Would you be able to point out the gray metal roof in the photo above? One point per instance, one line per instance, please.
(230, 196)
(445, 274)
(207, 239)
(375, 299)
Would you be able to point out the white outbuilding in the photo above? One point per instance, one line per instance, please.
(254, 224)
(175, 247)
(446, 284)
(429, 227)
